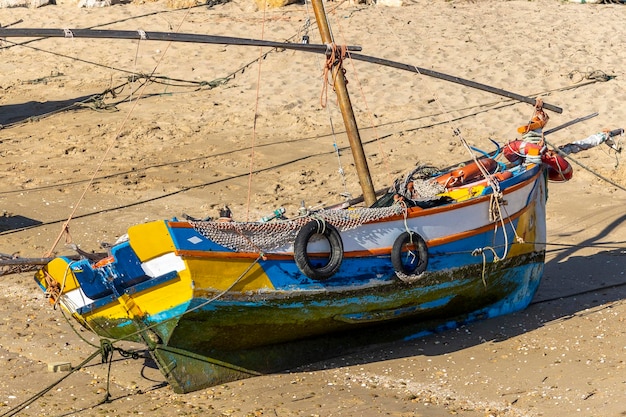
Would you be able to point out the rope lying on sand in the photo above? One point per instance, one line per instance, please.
(105, 350)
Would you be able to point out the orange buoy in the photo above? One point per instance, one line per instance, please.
(534, 124)
(104, 261)
(538, 121)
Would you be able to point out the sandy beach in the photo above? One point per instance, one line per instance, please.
(165, 130)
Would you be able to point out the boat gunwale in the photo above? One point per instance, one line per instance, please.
(411, 213)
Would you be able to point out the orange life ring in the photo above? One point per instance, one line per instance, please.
(469, 172)
(518, 149)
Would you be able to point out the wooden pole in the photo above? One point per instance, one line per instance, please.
(158, 36)
(224, 40)
(352, 130)
(453, 79)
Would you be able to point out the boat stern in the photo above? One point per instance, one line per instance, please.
(128, 291)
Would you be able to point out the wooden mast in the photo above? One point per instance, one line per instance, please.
(352, 130)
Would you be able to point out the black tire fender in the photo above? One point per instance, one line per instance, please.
(399, 245)
(331, 234)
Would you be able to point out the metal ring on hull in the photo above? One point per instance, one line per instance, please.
(417, 248)
(301, 256)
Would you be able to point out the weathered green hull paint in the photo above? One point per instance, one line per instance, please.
(187, 372)
(256, 337)
(134, 330)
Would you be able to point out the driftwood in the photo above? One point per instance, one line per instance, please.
(10, 264)
(14, 265)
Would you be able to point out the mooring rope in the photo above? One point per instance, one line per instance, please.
(15, 410)
(65, 226)
(106, 350)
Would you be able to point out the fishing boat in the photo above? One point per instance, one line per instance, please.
(220, 300)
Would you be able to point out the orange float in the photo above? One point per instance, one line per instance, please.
(468, 173)
(538, 121)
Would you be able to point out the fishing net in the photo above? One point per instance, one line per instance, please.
(418, 184)
(263, 237)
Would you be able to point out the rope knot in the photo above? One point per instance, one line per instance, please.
(334, 63)
(106, 350)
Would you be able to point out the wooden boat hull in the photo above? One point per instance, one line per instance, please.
(212, 314)
(327, 336)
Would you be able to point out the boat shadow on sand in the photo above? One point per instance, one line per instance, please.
(10, 222)
(34, 110)
(572, 284)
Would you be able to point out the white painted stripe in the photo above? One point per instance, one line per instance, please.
(163, 265)
(437, 225)
(75, 299)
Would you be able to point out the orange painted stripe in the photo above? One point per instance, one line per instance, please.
(228, 255)
(179, 224)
